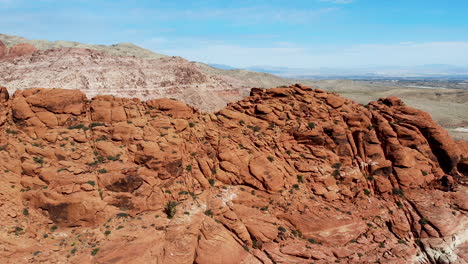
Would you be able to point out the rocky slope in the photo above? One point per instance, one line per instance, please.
(121, 49)
(127, 70)
(287, 175)
(96, 72)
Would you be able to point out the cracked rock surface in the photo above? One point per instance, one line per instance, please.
(286, 175)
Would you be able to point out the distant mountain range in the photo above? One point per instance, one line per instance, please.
(429, 71)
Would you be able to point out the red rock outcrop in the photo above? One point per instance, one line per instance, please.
(3, 50)
(287, 175)
(21, 50)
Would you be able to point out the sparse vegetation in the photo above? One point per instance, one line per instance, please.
(96, 124)
(337, 165)
(189, 168)
(170, 209)
(102, 138)
(114, 158)
(300, 179)
(270, 158)
(254, 128)
(209, 213)
(399, 204)
(311, 125)
(399, 192)
(122, 215)
(423, 221)
(94, 252)
(79, 126)
(12, 132)
(211, 181)
(92, 183)
(39, 160)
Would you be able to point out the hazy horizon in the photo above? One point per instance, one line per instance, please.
(296, 34)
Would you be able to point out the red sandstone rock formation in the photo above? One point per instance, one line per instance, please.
(287, 175)
(3, 50)
(21, 50)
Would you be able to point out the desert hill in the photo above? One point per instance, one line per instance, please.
(126, 70)
(120, 49)
(106, 70)
(285, 175)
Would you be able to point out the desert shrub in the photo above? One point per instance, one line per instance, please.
(423, 221)
(122, 215)
(39, 160)
(92, 183)
(254, 128)
(114, 158)
(170, 209)
(398, 191)
(12, 132)
(79, 126)
(311, 125)
(94, 252)
(96, 124)
(209, 213)
(337, 165)
(211, 181)
(300, 178)
(102, 138)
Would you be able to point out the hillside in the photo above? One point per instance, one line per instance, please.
(120, 49)
(286, 175)
(97, 69)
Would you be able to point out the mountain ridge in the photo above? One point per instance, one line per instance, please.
(285, 175)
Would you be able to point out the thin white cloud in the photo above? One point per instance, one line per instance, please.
(291, 55)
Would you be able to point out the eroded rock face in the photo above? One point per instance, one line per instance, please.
(98, 73)
(287, 175)
(21, 50)
(3, 50)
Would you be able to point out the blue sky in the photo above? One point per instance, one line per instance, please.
(294, 33)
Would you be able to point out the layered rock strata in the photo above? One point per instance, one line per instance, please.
(287, 175)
